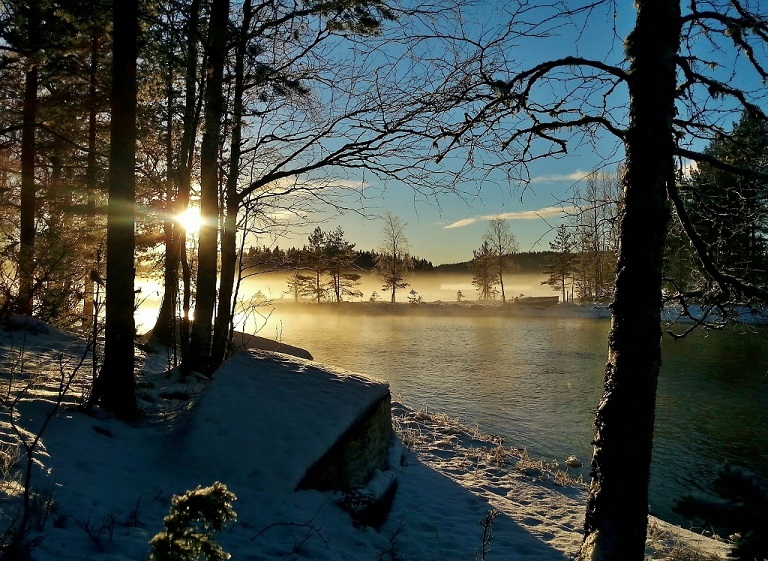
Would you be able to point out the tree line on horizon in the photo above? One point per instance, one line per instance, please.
(116, 115)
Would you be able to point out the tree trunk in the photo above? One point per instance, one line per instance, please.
(90, 185)
(226, 284)
(164, 330)
(501, 282)
(617, 507)
(202, 328)
(229, 234)
(115, 386)
(28, 195)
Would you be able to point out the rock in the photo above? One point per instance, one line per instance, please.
(573, 461)
(244, 341)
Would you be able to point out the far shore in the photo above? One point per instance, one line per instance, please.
(524, 307)
(438, 307)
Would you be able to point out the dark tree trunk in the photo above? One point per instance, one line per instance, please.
(115, 386)
(164, 330)
(617, 507)
(226, 282)
(229, 233)
(90, 183)
(501, 282)
(202, 326)
(28, 195)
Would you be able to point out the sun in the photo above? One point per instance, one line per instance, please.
(190, 219)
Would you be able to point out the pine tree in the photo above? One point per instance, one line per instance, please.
(560, 263)
(194, 516)
(730, 213)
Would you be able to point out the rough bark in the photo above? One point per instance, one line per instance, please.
(617, 507)
(202, 326)
(28, 194)
(115, 386)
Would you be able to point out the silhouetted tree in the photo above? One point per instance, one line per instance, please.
(315, 261)
(559, 265)
(501, 240)
(485, 272)
(394, 262)
(730, 212)
(205, 299)
(676, 90)
(340, 257)
(115, 386)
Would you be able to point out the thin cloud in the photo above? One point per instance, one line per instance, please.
(542, 213)
(462, 223)
(577, 175)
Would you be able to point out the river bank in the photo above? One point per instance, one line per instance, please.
(108, 484)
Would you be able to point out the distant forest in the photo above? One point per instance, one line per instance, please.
(523, 263)
(264, 259)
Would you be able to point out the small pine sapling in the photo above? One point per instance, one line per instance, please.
(194, 516)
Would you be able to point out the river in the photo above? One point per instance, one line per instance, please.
(536, 382)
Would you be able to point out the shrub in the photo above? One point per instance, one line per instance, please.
(194, 516)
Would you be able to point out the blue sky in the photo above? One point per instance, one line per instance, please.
(446, 228)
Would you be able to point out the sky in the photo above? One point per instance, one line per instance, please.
(446, 228)
(446, 231)
(103, 486)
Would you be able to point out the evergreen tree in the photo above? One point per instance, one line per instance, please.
(730, 212)
(340, 257)
(115, 387)
(315, 261)
(194, 517)
(560, 263)
(201, 334)
(299, 285)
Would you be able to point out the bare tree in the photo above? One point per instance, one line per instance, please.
(394, 262)
(502, 242)
(596, 215)
(679, 92)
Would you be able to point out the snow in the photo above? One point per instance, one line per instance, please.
(102, 486)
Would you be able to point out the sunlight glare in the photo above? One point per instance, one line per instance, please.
(190, 219)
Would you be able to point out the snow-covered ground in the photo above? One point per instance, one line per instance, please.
(101, 487)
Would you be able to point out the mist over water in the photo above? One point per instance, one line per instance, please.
(430, 286)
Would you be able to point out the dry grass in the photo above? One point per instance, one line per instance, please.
(665, 545)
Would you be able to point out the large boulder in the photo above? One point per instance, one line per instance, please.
(290, 422)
